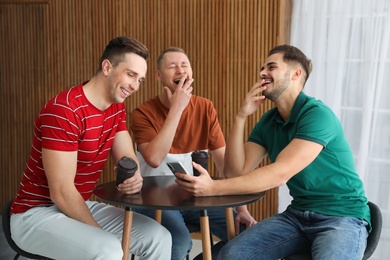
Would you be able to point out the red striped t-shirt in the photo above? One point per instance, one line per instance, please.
(69, 122)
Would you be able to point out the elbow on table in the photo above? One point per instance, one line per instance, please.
(229, 173)
(153, 162)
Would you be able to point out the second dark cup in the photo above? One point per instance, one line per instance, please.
(200, 157)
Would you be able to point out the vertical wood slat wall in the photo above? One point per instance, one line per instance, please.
(47, 46)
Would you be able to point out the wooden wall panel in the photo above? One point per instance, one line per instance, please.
(47, 46)
(23, 80)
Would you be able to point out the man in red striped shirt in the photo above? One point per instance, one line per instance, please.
(74, 134)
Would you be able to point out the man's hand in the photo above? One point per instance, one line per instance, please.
(182, 95)
(252, 100)
(243, 217)
(132, 185)
(199, 186)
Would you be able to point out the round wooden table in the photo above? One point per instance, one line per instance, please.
(163, 193)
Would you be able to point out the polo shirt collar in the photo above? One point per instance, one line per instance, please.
(296, 109)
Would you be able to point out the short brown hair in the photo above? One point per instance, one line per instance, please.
(118, 47)
(292, 54)
(169, 49)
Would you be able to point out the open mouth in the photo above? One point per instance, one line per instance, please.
(124, 91)
(266, 83)
(176, 81)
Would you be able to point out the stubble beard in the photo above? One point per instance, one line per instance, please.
(275, 93)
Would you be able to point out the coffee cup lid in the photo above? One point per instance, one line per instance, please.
(199, 153)
(127, 163)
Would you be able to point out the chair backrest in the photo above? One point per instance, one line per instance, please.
(373, 238)
(7, 232)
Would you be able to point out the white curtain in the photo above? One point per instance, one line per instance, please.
(349, 44)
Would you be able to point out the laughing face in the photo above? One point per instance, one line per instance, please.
(126, 77)
(174, 66)
(275, 74)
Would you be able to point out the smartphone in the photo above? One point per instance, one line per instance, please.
(177, 167)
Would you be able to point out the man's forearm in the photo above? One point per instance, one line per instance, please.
(157, 149)
(74, 206)
(235, 152)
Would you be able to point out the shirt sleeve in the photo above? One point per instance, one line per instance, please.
(142, 129)
(317, 124)
(216, 137)
(122, 125)
(59, 128)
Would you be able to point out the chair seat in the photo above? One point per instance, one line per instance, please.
(7, 232)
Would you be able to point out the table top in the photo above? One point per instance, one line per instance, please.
(162, 192)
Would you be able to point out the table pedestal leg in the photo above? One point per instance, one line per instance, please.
(127, 223)
(205, 230)
(230, 223)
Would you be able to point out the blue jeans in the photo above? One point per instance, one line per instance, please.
(294, 231)
(175, 221)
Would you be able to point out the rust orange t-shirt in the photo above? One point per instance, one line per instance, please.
(198, 129)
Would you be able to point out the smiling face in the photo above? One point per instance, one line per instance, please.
(125, 79)
(173, 66)
(276, 76)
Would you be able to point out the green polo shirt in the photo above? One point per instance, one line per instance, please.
(330, 184)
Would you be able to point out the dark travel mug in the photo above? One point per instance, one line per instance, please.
(200, 157)
(125, 169)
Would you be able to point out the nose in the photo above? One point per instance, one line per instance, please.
(263, 73)
(179, 70)
(134, 85)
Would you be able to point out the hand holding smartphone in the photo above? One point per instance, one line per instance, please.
(177, 167)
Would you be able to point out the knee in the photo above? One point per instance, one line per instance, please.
(159, 245)
(162, 238)
(107, 249)
(181, 246)
(181, 238)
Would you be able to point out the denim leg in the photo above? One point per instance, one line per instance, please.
(335, 238)
(173, 221)
(294, 231)
(271, 238)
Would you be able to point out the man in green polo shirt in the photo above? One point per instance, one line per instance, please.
(304, 139)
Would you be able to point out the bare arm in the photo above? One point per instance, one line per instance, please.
(123, 146)
(241, 158)
(157, 149)
(60, 169)
(297, 155)
(218, 157)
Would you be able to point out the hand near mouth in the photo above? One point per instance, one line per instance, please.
(253, 99)
(182, 95)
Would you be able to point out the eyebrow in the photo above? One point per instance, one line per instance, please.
(174, 63)
(269, 64)
(135, 73)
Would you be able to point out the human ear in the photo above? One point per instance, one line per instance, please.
(106, 66)
(157, 74)
(296, 73)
